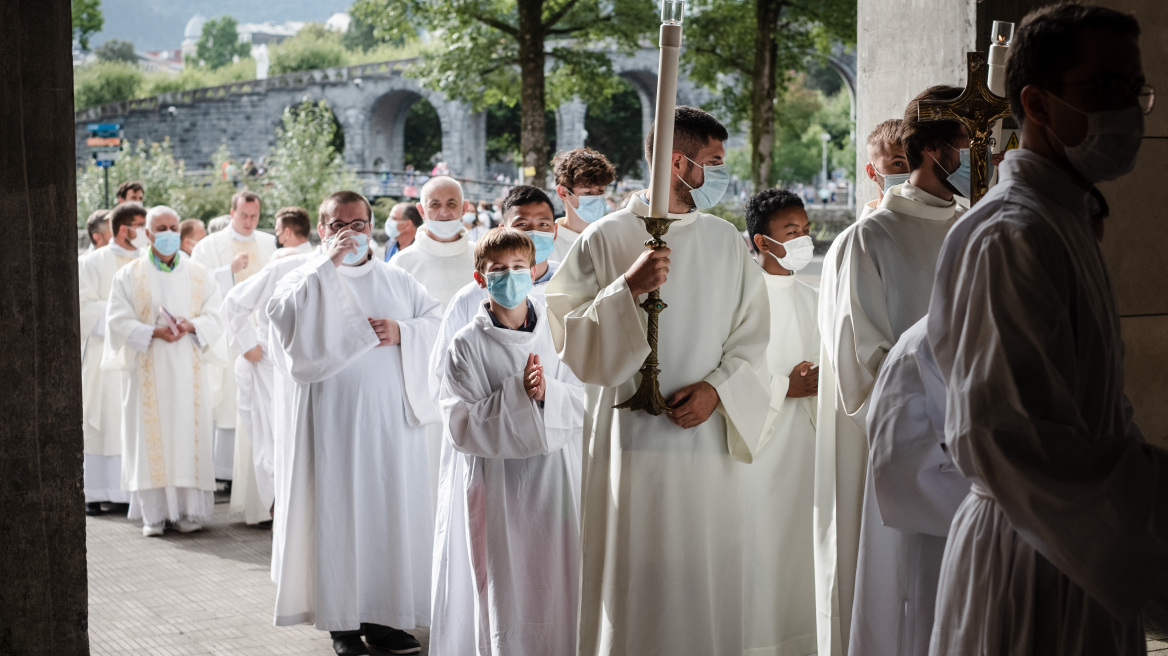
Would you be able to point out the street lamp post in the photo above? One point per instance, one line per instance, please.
(825, 137)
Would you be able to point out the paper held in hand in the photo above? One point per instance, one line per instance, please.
(170, 320)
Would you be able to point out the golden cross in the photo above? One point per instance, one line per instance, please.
(977, 108)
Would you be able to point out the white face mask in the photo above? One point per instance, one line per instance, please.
(800, 250)
(1109, 150)
(443, 229)
(141, 241)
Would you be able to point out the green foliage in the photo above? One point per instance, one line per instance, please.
(503, 125)
(362, 36)
(87, 20)
(196, 77)
(220, 44)
(423, 135)
(802, 116)
(162, 176)
(614, 128)
(116, 51)
(105, 82)
(304, 165)
(312, 48)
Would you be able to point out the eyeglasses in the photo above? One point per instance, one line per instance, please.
(1114, 89)
(358, 226)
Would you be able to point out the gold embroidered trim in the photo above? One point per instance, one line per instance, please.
(151, 426)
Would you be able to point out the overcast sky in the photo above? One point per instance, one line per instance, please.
(159, 24)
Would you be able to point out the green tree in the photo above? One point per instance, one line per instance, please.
(304, 165)
(760, 42)
(154, 165)
(105, 82)
(116, 50)
(219, 44)
(495, 51)
(312, 48)
(614, 128)
(423, 135)
(87, 20)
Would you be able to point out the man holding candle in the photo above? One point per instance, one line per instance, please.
(662, 504)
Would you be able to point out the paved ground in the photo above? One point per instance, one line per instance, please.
(202, 593)
(207, 593)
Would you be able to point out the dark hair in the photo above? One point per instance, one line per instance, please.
(525, 195)
(1045, 46)
(295, 219)
(330, 204)
(245, 196)
(128, 186)
(498, 241)
(186, 227)
(692, 130)
(96, 223)
(409, 211)
(917, 135)
(582, 167)
(761, 208)
(125, 214)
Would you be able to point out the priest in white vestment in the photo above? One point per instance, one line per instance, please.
(442, 260)
(355, 334)
(162, 317)
(581, 177)
(292, 229)
(233, 255)
(1061, 546)
(779, 564)
(913, 491)
(662, 502)
(507, 549)
(101, 389)
(887, 165)
(881, 287)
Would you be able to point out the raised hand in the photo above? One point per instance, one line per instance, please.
(533, 381)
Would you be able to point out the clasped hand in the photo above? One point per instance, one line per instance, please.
(693, 404)
(164, 333)
(533, 381)
(388, 331)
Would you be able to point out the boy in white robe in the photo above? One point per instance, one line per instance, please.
(506, 566)
(778, 560)
(1061, 546)
(354, 334)
(913, 491)
(881, 287)
(163, 315)
(581, 177)
(101, 399)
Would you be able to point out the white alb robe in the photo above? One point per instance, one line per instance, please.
(1063, 541)
(358, 538)
(662, 505)
(302, 249)
(913, 491)
(882, 280)
(778, 564)
(166, 387)
(507, 539)
(101, 388)
(565, 237)
(442, 268)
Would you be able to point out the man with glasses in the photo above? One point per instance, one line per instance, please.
(1061, 545)
(882, 288)
(353, 334)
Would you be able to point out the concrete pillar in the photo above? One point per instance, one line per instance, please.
(43, 588)
(893, 68)
(570, 132)
(464, 139)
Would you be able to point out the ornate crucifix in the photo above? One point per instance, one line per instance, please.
(977, 108)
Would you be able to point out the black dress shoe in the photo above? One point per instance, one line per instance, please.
(388, 640)
(93, 509)
(349, 645)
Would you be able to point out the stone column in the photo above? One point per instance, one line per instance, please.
(43, 588)
(570, 132)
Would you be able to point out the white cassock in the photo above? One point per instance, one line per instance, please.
(779, 563)
(166, 387)
(443, 268)
(247, 327)
(880, 280)
(302, 249)
(662, 505)
(913, 491)
(1063, 541)
(564, 240)
(359, 533)
(507, 547)
(101, 389)
(233, 452)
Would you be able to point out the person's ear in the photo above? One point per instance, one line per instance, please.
(678, 161)
(871, 171)
(761, 244)
(1036, 105)
(320, 231)
(562, 192)
(421, 212)
(480, 279)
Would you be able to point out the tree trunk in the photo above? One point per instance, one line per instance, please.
(762, 99)
(533, 137)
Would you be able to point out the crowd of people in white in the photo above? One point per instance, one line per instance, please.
(930, 454)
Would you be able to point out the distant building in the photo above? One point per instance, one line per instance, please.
(268, 33)
(190, 44)
(161, 61)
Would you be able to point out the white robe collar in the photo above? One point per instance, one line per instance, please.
(359, 271)
(641, 208)
(913, 201)
(230, 229)
(778, 282)
(425, 243)
(122, 252)
(506, 336)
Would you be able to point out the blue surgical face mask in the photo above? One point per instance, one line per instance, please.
(959, 178)
(362, 249)
(469, 218)
(509, 288)
(891, 179)
(167, 242)
(717, 179)
(591, 208)
(544, 242)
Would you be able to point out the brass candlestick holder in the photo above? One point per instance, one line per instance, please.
(648, 397)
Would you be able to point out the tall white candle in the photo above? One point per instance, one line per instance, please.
(671, 15)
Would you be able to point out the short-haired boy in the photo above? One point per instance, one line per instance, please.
(507, 538)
